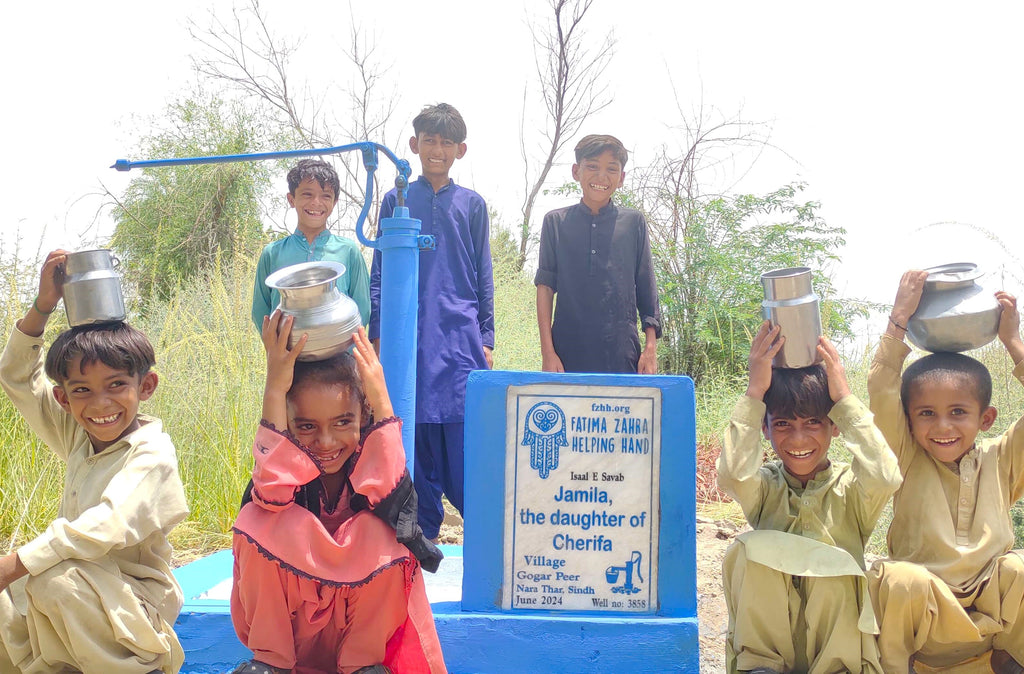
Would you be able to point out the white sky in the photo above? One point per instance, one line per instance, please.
(897, 115)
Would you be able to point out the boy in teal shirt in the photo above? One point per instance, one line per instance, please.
(313, 188)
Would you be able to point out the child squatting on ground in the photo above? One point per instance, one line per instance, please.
(952, 588)
(596, 257)
(456, 306)
(313, 188)
(94, 592)
(324, 580)
(795, 586)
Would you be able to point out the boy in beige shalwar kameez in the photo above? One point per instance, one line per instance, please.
(795, 586)
(952, 589)
(94, 592)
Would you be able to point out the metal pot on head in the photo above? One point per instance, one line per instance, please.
(310, 294)
(790, 303)
(955, 312)
(92, 288)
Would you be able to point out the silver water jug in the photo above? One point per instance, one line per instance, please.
(955, 312)
(92, 288)
(790, 302)
(309, 292)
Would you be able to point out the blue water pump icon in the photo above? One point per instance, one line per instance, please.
(611, 574)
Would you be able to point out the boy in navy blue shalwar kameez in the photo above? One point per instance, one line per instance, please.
(456, 307)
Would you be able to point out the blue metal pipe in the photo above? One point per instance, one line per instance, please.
(399, 244)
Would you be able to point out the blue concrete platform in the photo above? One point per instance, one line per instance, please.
(473, 643)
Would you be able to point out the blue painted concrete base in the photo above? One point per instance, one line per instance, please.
(512, 644)
(473, 643)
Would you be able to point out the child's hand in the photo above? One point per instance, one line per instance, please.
(1009, 326)
(372, 374)
(550, 362)
(908, 296)
(277, 328)
(51, 289)
(765, 345)
(11, 569)
(838, 387)
(51, 281)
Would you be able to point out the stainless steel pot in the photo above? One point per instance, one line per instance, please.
(92, 288)
(790, 302)
(955, 313)
(309, 292)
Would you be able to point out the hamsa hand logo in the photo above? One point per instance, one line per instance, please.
(544, 432)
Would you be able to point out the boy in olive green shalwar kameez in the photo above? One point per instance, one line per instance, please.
(952, 589)
(795, 586)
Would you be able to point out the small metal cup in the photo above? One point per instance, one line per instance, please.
(790, 303)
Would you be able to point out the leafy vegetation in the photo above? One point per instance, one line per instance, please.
(174, 223)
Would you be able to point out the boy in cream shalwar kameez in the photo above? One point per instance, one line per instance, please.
(952, 589)
(94, 592)
(795, 586)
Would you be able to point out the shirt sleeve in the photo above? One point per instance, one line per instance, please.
(381, 462)
(260, 291)
(23, 378)
(144, 497)
(480, 228)
(547, 264)
(387, 209)
(359, 283)
(280, 468)
(646, 283)
(876, 473)
(739, 464)
(884, 381)
(1012, 448)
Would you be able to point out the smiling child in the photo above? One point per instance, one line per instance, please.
(952, 589)
(596, 256)
(795, 586)
(328, 553)
(94, 592)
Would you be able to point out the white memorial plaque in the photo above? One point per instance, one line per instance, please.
(581, 498)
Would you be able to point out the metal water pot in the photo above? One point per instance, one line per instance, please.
(955, 312)
(790, 302)
(92, 288)
(309, 292)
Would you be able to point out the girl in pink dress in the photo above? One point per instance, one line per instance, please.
(328, 554)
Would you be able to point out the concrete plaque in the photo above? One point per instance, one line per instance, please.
(581, 498)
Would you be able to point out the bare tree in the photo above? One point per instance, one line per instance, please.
(711, 243)
(244, 53)
(568, 74)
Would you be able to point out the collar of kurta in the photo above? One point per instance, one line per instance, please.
(820, 478)
(322, 235)
(423, 179)
(607, 209)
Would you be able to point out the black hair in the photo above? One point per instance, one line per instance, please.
(117, 345)
(338, 370)
(801, 392)
(946, 365)
(314, 169)
(595, 145)
(442, 119)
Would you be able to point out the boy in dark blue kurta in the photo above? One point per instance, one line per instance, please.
(597, 257)
(456, 307)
